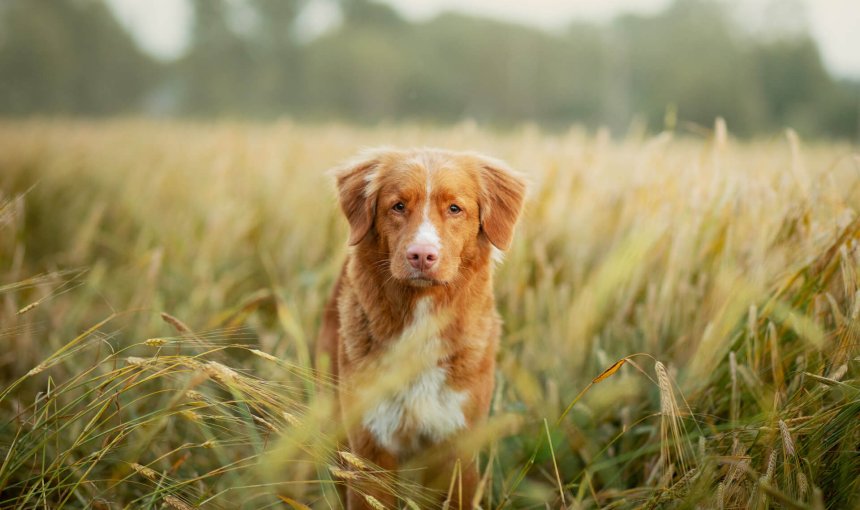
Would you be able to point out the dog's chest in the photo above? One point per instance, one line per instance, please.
(426, 409)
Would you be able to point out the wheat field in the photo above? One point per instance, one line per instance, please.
(680, 318)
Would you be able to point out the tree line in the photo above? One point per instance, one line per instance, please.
(249, 59)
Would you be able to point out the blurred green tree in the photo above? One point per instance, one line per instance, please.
(794, 83)
(215, 73)
(689, 57)
(254, 58)
(69, 57)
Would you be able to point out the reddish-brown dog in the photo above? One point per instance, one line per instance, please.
(411, 328)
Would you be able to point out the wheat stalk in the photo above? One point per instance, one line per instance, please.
(353, 460)
(787, 442)
(373, 502)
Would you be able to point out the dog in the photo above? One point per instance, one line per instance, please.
(411, 331)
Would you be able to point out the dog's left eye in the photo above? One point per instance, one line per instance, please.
(454, 208)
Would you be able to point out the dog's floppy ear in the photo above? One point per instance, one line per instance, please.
(501, 201)
(356, 189)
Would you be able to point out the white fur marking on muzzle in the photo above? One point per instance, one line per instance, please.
(427, 233)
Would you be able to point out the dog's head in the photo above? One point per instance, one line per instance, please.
(427, 211)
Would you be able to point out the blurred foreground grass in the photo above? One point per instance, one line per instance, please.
(162, 284)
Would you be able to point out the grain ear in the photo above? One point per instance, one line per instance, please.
(501, 201)
(356, 189)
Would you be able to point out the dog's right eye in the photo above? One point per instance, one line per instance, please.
(399, 207)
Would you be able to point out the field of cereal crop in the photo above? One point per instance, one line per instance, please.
(681, 318)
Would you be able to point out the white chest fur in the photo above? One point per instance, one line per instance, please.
(425, 408)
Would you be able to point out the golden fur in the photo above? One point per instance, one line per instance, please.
(434, 332)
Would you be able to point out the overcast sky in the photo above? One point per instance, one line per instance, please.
(161, 26)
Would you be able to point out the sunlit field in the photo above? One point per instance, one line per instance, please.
(680, 319)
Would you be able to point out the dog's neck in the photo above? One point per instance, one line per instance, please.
(389, 304)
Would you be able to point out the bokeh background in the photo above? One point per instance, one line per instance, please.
(762, 65)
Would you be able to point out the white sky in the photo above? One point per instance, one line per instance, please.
(161, 25)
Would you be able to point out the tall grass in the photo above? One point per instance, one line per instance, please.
(681, 319)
